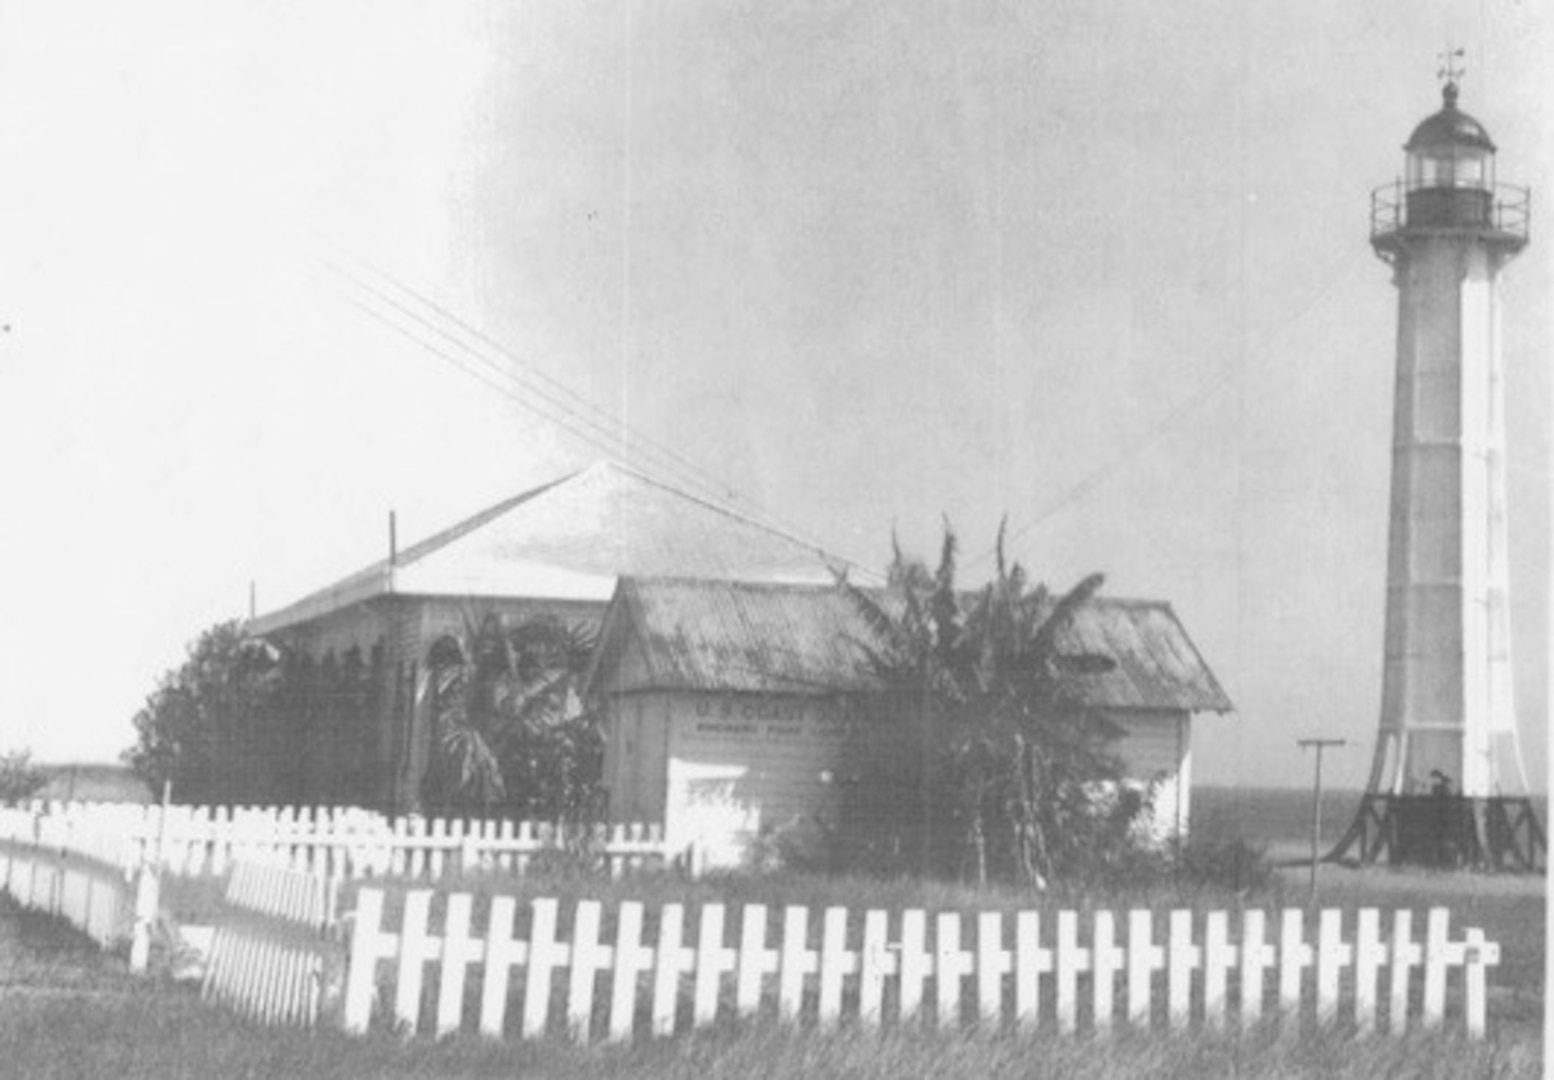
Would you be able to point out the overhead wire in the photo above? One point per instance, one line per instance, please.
(503, 376)
(506, 365)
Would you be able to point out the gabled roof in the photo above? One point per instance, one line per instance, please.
(1157, 665)
(569, 540)
(733, 636)
(739, 637)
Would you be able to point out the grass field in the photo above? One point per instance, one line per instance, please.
(67, 1011)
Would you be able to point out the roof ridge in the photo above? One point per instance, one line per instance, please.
(444, 537)
(729, 511)
(637, 581)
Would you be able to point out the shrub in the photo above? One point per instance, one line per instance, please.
(19, 777)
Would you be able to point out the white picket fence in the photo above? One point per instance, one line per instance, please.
(87, 879)
(343, 842)
(272, 952)
(880, 968)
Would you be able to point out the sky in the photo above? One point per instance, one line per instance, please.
(862, 267)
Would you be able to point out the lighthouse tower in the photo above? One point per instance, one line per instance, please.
(1447, 785)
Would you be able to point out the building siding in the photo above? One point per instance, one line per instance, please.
(1155, 748)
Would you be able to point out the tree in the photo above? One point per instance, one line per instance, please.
(512, 733)
(211, 727)
(1011, 770)
(19, 777)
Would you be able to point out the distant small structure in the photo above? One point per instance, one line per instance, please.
(1447, 786)
(93, 782)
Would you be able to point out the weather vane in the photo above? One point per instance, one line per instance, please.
(1451, 71)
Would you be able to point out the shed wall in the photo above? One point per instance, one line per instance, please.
(1156, 748)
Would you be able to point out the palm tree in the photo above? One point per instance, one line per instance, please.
(1004, 744)
(511, 729)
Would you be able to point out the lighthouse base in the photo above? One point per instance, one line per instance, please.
(1449, 831)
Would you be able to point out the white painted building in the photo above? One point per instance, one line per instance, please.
(726, 705)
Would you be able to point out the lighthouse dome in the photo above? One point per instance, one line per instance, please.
(1449, 128)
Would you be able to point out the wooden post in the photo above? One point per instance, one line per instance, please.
(1316, 808)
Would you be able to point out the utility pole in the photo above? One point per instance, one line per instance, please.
(1316, 806)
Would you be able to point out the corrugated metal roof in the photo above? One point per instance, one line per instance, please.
(569, 540)
(1157, 665)
(739, 637)
(742, 637)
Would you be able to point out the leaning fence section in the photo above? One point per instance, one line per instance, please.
(626, 970)
(273, 956)
(90, 879)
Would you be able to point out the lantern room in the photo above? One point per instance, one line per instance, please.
(1450, 169)
(1449, 186)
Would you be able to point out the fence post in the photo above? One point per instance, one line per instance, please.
(146, 889)
(369, 944)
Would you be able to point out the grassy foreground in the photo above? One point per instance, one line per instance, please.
(68, 1012)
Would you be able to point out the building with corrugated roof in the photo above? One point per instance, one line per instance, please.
(555, 550)
(726, 703)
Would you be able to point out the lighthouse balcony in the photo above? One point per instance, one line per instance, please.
(1497, 213)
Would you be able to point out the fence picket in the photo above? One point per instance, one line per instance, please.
(1071, 960)
(1031, 962)
(1106, 961)
(545, 955)
(588, 957)
(415, 949)
(1370, 955)
(1333, 955)
(369, 945)
(877, 964)
(501, 956)
(1184, 956)
(993, 964)
(459, 950)
(1144, 959)
(631, 960)
(837, 963)
(1405, 956)
(1257, 956)
(1294, 957)
(951, 965)
(915, 963)
(1219, 956)
(1435, 960)
(797, 962)
(712, 961)
(756, 961)
(1478, 954)
(672, 960)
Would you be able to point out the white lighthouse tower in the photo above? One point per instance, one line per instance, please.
(1447, 785)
